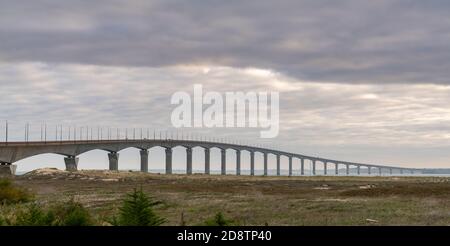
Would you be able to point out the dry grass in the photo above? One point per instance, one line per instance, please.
(259, 200)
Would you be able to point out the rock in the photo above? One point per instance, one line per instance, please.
(109, 180)
(372, 221)
(322, 188)
(366, 186)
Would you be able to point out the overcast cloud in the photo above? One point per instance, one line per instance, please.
(383, 41)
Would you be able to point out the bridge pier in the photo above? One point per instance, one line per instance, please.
(401, 171)
(238, 162)
(358, 169)
(7, 170)
(302, 166)
(325, 164)
(379, 171)
(369, 170)
(278, 166)
(265, 164)
(71, 163)
(336, 169)
(113, 161)
(252, 163)
(207, 161)
(168, 160)
(144, 160)
(313, 167)
(390, 171)
(290, 166)
(224, 161)
(347, 169)
(188, 160)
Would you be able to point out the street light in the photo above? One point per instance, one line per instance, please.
(6, 132)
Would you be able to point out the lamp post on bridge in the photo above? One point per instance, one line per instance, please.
(6, 132)
(27, 131)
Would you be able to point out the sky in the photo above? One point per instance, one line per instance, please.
(359, 80)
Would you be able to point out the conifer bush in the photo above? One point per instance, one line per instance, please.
(137, 210)
(219, 220)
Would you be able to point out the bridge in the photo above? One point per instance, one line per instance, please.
(11, 152)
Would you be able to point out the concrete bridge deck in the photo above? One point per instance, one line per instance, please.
(11, 152)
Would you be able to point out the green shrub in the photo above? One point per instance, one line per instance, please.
(33, 215)
(137, 210)
(218, 220)
(2, 221)
(71, 214)
(10, 193)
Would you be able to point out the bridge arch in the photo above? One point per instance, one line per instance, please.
(45, 160)
(156, 158)
(93, 159)
(231, 162)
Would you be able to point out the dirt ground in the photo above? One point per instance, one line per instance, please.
(256, 200)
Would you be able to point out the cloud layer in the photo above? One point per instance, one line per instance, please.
(371, 123)
(359, 80)
(351, 41)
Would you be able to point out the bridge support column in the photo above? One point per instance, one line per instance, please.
(144, 160)
(7, 170)
(390, 171)
(369, 170)
(252, 163)
(401, 171)
(325, 168)
(71, 163)
(224, 162)
(265, 164)
(188, 160)
(379, 171)
(113, 161)
(168, 160)
(302, 166)
(290, 166)
(278, 166)
(313, 167)
(358, 169)
(347, 169)
(336, 169)
(238, 162)
(207, 160)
